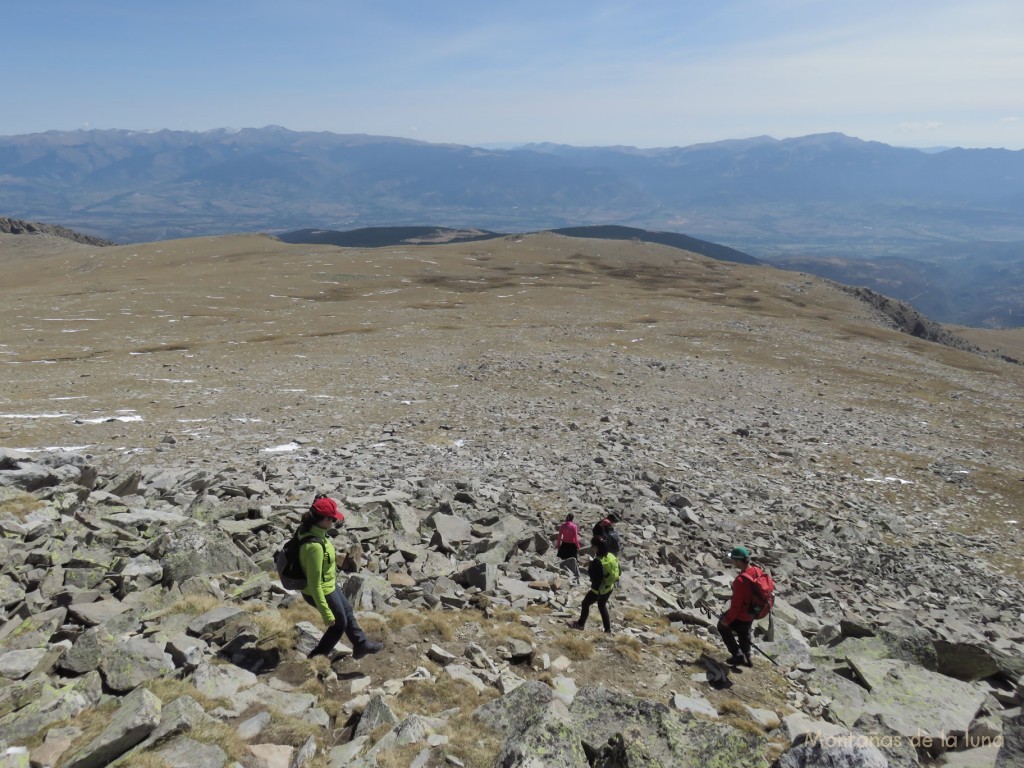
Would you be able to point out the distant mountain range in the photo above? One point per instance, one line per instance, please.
(945, 229)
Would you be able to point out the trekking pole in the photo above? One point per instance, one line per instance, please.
(758, 649)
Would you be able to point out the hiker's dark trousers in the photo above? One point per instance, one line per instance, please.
(602, 605)
(344, 624)
(737, 637)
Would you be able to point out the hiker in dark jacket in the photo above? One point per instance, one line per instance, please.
(606, 529)
(604, 573)
(317, 557)
(735, 624)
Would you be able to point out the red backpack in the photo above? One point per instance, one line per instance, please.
(764, 595)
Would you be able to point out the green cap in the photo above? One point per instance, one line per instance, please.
(739, 553)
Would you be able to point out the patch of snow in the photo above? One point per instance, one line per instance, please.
(55, 448)
(126, 415)
(34, 415)
(282, 448)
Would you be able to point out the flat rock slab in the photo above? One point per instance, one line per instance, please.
(915, 702)
(91, 614)
(145, 517)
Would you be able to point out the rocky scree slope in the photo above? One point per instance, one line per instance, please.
(460, 401)
(100, 565)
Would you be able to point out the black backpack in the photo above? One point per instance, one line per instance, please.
(286, 560)
(614, 542)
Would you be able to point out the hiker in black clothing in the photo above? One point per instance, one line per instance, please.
(604, 573)
(606, 529)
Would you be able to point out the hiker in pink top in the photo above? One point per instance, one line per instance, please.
(568, 543)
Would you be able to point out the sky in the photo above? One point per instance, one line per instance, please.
(651, 73)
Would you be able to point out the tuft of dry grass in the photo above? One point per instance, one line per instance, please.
(473, 742)
(286, 729)
(426, 697)
(468, 739)
(194, 605)
(374, 625)
(691, 643)
(224, 736)
(168, 689)
(497, 632)
(628, 646)
(575, 647)
(638, 616)
(731, 707)
(398, 620)
(18, 503)
(91, 723)
(276, 628)
(399, 757)
(332, 699)
(744, 724)
(440, 624)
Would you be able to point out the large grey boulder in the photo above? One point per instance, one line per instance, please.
(52, 705)
(964, 661)
(368, 592)
(511, 712)
(547, 740)
(14, 665)
(183, 752)
(450, 532)
(623, 730)
(897, 750)
(1011, 753)
(127, 664)
(86, 653)
(31, 476)
(179, 717)
(483, 576)
(915, 702)
(11, 592)
(135, 719)
(196, 549)
(848, 751)
(33, 632)
(375, 714)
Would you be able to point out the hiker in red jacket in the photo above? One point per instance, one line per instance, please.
(735, 624)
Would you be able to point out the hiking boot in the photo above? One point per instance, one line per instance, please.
(365, 649)
(737, 660)
(573, 625)
(747, 661)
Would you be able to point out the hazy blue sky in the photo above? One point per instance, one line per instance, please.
(654, 73)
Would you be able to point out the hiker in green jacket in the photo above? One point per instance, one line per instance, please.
(604, 573)
(317, 557)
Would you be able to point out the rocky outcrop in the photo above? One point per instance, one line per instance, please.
(904, 318)
(19, 227)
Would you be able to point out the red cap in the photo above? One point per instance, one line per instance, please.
(326, 507)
